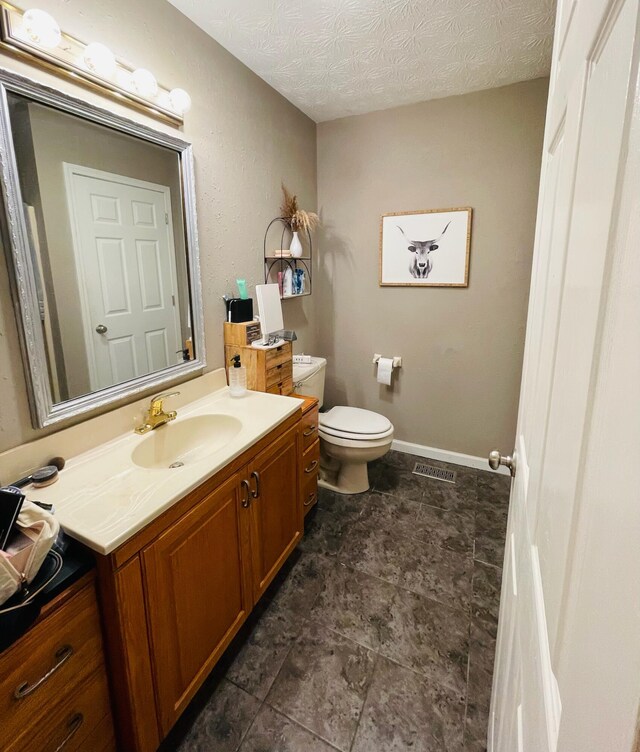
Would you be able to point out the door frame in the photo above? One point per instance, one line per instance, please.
(70, 170)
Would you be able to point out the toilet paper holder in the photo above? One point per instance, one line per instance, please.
(397, 360)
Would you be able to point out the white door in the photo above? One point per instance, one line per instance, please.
(125, 259)
(567, 673)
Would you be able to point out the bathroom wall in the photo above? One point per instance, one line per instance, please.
(461, 347)
(246, 139)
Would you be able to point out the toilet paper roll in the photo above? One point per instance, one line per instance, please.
(385, 367)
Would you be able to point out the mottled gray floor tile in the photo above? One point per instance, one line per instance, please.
(223, 722)
(490, 534)
(405, 712)
(347, 506)
(394, 514)
(263, 651)
(451, 530)
(428, 637)
(493, 489)
(355, 605)
(485, 599)
(323, 683)
(396, 481)
(475, 730)
(273, 732)
(298, 588)
(421, 567)
(482, 648)
(450, 496)
(323, 532)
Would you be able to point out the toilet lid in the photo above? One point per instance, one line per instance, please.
(354, 420)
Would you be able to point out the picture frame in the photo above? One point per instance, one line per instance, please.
(413, 246)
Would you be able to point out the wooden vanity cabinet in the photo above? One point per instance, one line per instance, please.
(53, 682)
(199, 591)
(276, 522)
(178, 592)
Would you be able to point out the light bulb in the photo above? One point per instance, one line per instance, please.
(180, 101)
(99, 59)
(41, 28)
(144, 82)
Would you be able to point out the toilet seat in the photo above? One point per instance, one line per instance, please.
(354, 424)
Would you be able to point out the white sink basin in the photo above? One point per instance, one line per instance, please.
(185, 442)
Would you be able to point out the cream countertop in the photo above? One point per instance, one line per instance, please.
(102, 498)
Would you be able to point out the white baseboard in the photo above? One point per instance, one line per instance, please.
(456, 458)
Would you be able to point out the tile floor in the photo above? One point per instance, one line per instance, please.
(379, 633)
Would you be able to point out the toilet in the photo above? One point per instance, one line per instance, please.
(349, 436)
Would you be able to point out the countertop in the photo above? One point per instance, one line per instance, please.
(102, 498)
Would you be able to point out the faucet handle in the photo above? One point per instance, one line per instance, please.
(157, 402)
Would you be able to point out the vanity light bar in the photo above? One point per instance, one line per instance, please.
(35, 34)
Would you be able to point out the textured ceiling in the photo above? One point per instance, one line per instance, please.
(333, 58)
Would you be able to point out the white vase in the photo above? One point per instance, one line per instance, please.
(296, 246)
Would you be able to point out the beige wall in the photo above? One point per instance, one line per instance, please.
(246, 138)
(461, 348)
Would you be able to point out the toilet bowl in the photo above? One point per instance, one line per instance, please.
(350, 437)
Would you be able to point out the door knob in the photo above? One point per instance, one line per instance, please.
(101, 329)
(496, 459)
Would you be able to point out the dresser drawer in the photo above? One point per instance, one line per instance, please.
(82, 721)
(279, 373)
(309, 428)
(48, 663)
(277, 355)
(282, 387)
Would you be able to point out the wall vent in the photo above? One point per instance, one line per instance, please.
(437, 473)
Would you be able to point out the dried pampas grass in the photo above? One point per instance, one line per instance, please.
(297, 218)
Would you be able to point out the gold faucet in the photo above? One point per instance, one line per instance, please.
(156, 415)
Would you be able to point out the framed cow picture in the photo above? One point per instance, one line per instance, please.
(425, 248)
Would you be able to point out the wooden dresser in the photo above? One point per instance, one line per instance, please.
(53, 683)
(267, 370)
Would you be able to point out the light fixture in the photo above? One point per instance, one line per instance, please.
(99, 59)
(36, 36)
(180, 101)
(41, 28)
(144, 83)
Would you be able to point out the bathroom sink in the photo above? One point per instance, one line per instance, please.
(185, 442)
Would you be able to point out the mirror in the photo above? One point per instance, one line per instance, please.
(101, 230)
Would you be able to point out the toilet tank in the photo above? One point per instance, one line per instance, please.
(308, 378)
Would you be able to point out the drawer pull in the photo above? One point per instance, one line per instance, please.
(74, 724)
(256, 476)
(246, 500)
(310, 500)
(309, 431)
(311, 467)
(62, 656)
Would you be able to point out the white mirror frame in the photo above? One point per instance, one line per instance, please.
(15, 239)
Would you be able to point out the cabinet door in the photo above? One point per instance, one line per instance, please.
(276, 515)
(198, 587)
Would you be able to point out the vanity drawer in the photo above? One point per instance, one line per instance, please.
(280, 373)
(80, 722)
(282, 387)
(309, 476)
(278, 355)
(309, 428)
(48, 663)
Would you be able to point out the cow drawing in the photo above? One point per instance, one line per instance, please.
(421, 265)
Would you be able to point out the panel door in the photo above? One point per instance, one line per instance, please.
(277, 516)
(126, 272)
(538, 705)
(198, 589)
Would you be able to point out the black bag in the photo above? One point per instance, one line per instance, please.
(22, 609)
